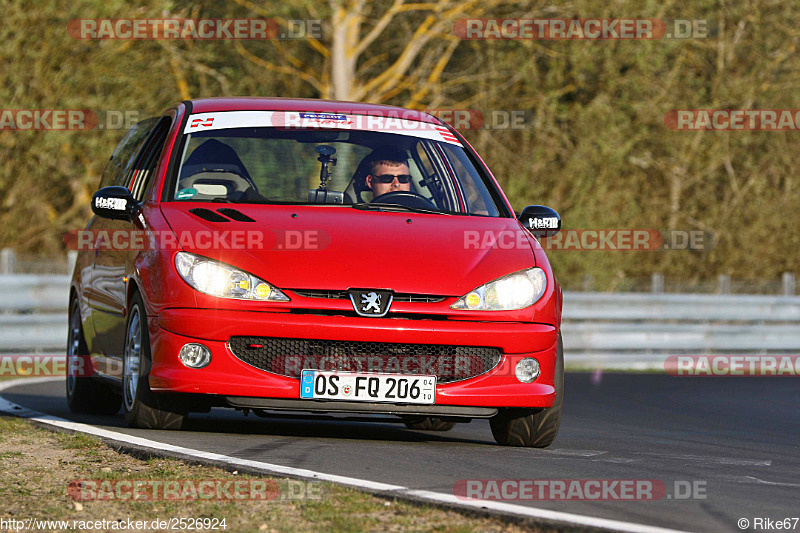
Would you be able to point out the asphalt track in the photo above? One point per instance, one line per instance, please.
(736, 439)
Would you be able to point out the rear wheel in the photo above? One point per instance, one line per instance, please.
(85, 395)
(535, 428)
(428, 423)
(143, 407)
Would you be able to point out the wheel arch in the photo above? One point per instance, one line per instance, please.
(133, 287)
(73, 295)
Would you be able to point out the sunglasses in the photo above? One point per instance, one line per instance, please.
(388, 178)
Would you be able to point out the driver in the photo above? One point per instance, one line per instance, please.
(388, 172)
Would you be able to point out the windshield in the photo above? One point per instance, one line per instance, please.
(412, 165)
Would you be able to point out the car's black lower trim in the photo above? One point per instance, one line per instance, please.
(359, 407)
(290, 356)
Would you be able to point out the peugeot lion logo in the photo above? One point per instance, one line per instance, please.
(371, 300)
(372, 303)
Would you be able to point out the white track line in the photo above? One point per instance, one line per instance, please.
(269, 468)
(751, 479)
(710, 459)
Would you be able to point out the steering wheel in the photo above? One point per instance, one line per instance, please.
(405, 198)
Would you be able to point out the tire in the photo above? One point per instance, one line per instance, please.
(85, 395)
(143, 408)
(429, 423)
(533, 428)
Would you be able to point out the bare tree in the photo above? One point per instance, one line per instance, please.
(343, 64)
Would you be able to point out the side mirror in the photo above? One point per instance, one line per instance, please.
(114, 202)
(540, 220)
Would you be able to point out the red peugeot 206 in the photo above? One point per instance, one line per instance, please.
(277, 255)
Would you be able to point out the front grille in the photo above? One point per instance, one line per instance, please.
(423, 298)
(288, 357)
(342, 295)
(322, 294)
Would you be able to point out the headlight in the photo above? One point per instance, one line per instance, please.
(225, 281)
(515, 291)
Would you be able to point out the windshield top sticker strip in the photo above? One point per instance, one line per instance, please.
(294, 119)
(230, 119)
(446, 134)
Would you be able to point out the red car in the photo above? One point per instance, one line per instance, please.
(273, 254)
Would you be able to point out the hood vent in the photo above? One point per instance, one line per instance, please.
(208, 214)
(235, 215)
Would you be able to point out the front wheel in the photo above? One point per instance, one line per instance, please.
(143, 407)
(534, 428)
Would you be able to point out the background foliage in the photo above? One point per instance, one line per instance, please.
(594, 146)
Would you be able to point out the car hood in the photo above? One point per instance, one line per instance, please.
(338, 247)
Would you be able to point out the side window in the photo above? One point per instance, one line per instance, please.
(126, 152)
(479, 199)
(432, 167)
(144, 169)
(424, 160)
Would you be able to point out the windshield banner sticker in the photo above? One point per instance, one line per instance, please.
(222, 121)
(391, 122)
(324, 117)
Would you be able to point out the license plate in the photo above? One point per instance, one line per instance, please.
(361, 387)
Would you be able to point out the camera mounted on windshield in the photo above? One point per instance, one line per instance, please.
(322, 195)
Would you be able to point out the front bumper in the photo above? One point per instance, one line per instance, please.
(229, 377)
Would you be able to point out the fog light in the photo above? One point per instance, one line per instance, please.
(527, 370)
(195, 355)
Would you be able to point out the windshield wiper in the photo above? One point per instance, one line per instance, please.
(364, 206)
(246, 201)
(413, 209)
